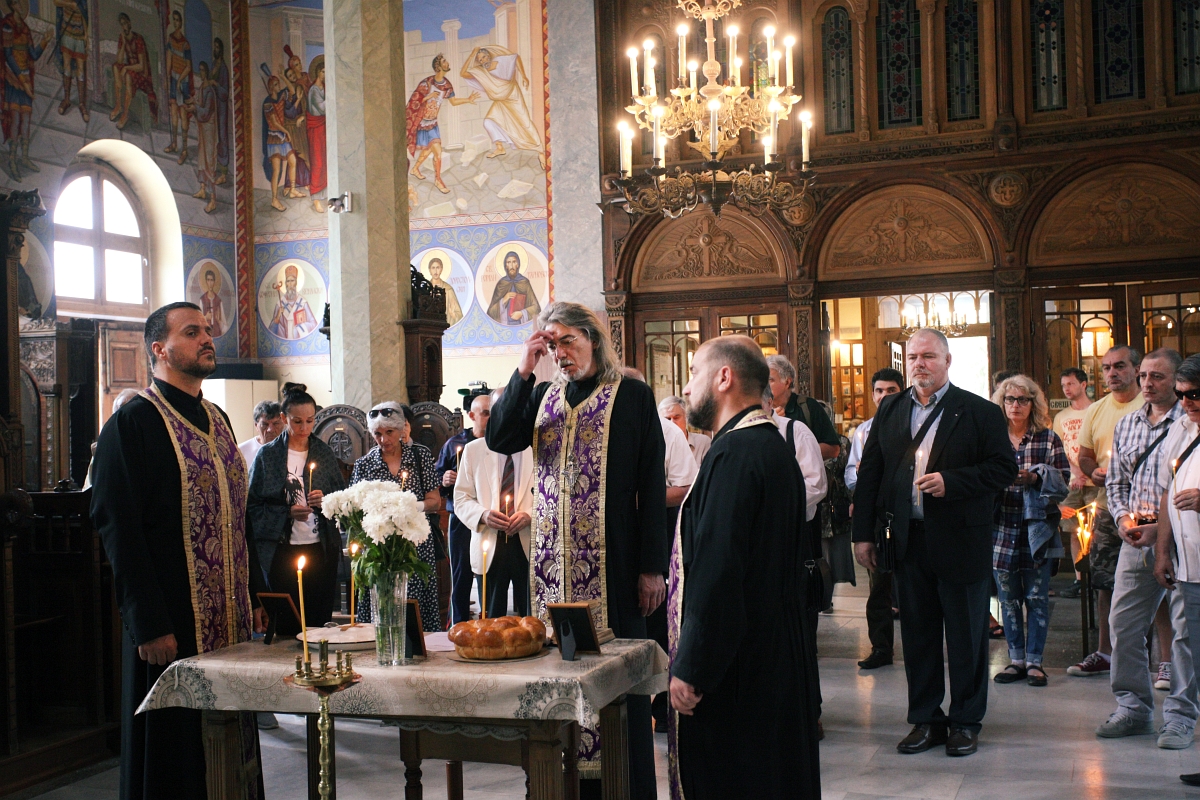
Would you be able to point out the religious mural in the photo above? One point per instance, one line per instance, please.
(479, 183)
(210, 286)
(293, 286)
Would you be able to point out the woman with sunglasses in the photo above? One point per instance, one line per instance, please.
(396, 458)
(1024, 549)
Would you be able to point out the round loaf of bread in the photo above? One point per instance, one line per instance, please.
(497, 639)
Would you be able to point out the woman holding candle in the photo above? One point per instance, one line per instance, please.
(289, 478)
(1020, 558)
(396, 458)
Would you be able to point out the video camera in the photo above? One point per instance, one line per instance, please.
(474, 389)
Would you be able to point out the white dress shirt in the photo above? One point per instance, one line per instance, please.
(808, 456)
(249, 449)
(700, 445)
(477, 491)
(1184, 524)
(679, 465)
(857, 442)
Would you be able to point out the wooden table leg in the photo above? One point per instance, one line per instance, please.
(410, 754)
(614, 750)
(545, 769)
(454, 780)
(570, 755)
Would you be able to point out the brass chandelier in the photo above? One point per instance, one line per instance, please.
(716, 114)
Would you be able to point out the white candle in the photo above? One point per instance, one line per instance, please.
(633, 76)
(651, 89)
(788, 43)
(768, 143)
(734, 62)
(662, 150)
(737, 72)
(626, 147)
(682, 31)
(483, 600)
(775, 65)
(657, 113)
(692, 67)
(713, 107)
(769, 32)
(805, 129)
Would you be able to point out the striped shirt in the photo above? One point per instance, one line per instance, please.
(1138, 494)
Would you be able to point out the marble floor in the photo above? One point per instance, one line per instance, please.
(1036, 743)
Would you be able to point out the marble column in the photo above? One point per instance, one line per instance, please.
(368, 247)
(575, 154)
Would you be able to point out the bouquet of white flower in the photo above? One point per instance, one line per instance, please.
(386, 523)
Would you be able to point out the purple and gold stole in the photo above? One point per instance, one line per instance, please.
(566, 559)
(214, 481)
(675, 615)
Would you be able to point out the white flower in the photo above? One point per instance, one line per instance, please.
(387, 514)
(341, 504)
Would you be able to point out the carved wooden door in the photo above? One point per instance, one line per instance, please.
(123, 362)
(1075, 327)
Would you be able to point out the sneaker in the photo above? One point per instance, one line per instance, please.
(1163, 681)
(1093, 665)
(1175, 736)
(267, 721)
(1119, 725)
(1072, 592)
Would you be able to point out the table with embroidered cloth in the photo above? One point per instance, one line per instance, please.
(526, 712)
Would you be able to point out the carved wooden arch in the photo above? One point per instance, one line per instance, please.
(700, 250)
(903, 230)
(1119, 213)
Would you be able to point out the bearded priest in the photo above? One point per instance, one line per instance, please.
(599, 497)
(169, 501)
(743, 674)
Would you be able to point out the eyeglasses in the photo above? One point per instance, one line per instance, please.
(562, 344)
(1190, 394)
(383, 412)
(1009, 400)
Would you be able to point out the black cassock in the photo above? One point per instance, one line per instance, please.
(742, 643)
(137, 508)
(634, 517)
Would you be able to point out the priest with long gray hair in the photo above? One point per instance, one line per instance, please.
(597, 437)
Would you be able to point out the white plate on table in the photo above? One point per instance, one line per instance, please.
(358, 637)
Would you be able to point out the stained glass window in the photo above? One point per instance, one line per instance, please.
(1117, 65)
(1048, 29)
(962, 60)
(1187, 46)
(898, 57)
(839, 74)
(759, 71)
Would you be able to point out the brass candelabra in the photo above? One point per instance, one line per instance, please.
(324, 681)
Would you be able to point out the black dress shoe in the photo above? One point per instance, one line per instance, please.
(878, 658)
(921, 738)
(1192, 779)
(962, 742)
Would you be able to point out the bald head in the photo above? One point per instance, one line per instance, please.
(744, 358)
(633, 373)
(481, 411)
(729, 374)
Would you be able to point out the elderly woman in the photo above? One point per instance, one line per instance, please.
(396, 458)
(672, 409)
(1021, 558)
(290, 476)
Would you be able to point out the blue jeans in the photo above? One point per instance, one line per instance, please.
(1026, 638)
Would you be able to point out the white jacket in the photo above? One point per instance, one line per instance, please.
(478, 489)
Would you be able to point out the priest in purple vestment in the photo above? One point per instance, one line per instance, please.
(599, 497)
(169, 502)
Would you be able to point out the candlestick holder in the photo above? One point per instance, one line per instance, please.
(324, 681)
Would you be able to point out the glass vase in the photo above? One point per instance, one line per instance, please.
(389, 613)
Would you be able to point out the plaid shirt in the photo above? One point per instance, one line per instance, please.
(1138, 495)
(1010, 547)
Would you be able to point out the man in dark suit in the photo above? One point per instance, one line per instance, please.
(934, 462)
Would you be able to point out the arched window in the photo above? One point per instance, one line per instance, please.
(1118, 68)
(1048, 39)
(1186, 24)
(100, 264)
(836, 51)
(962, 60)
(759, 70)
(898, 60)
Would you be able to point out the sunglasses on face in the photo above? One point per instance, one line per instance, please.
(1190, 394)
(383, 412)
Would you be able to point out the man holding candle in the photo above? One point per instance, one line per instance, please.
(600, 494)
(494, 501)
(169, 502)
(938, 508)
(448, 467)
(1120, 367)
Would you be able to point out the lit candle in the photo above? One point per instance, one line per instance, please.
(458, 458)
(735, 78)
(774, 108)
(769, 32)
(403, 477)
(662, 150)
(353, 553)
(692, 67)
(303, 623)
(648, 68)
(775, 65)
(483, 600)
(768, 143)
(682, 32)
(312, 466)
(805, 131)
(788, 43)
(626, 147)
(633, 76)
(714, 106)
(657, 113)
(508, 504)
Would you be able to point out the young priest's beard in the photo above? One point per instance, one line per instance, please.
(702, 411)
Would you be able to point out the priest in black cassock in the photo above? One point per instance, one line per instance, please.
(599, 497)
(743, 674)
(169, 501)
